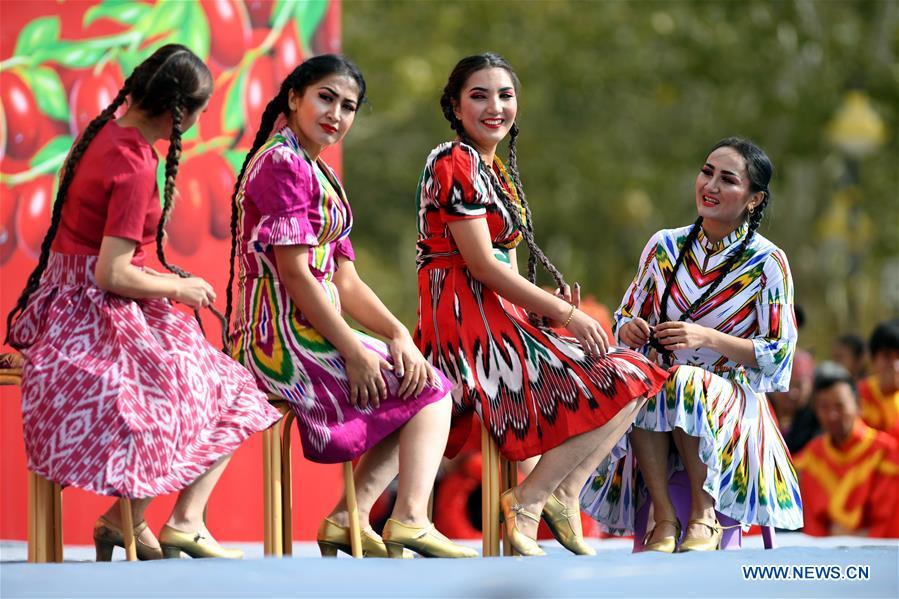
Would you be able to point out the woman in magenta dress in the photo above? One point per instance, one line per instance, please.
(354, 395)
(121, 393)
(569, 399)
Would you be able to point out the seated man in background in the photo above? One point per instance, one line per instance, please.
(848, 476)
(848, 351)
(795, 415)
(879, 393)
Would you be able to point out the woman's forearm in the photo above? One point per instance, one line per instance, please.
(518, 290)
(365, 307)
(130, 281)
(738, 349)
(307, 295)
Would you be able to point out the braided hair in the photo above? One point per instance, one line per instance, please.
(759, 170)
(448, 102)
(171, 80)
(307, 73)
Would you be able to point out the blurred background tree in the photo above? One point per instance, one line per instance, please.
(620, 102)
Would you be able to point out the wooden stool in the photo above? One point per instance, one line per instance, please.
(497, 476)
(45, 497)
(277, 492)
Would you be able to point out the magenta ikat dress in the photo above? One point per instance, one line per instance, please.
(287, 199)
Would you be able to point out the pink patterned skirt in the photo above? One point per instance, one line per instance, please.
(125, 397)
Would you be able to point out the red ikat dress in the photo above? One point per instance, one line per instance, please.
(533, 388)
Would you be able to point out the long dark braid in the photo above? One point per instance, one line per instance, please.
(307, 73)
(145, 90)
(451, 96)
(760, 170)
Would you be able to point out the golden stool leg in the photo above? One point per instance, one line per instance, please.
(489, 493)
(276, 490)
(128, 529)
(267, 490)
(508, 478)
(57, 523)
(287, 487)
(352, 509)
(32, 517)
(43, 520)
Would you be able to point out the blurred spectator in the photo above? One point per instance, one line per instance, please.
(795, 415)
(849, 476)
(879, 393)
(849, 352)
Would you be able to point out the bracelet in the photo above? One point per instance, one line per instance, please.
(570, 316)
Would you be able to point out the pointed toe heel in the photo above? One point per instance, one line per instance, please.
(565, 526)
(665, 544)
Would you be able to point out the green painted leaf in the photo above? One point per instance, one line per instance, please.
(234, 112)
(191, 134)
(283, 10)
(129, 59)
(50, 157)
(126, 12)
(160, 175)
(37, 34)
(309, 13)
(49, 93)
(163, 18)
(76, 55)
(235, 158)
(196, 31)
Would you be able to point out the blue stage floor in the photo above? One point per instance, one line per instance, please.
(614, 572)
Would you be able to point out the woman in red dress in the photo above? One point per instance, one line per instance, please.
(121, 393)
(568, 399)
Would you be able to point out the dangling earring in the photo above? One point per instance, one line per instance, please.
(751, 209)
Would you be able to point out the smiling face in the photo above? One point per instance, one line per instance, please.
(325, 111)
(723, 193)
(487, 107)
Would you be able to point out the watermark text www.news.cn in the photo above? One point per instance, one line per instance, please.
(807, 572)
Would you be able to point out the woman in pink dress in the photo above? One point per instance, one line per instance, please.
(355, 396)
(121, 393)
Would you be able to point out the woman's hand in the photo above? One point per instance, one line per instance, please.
(410, 366)
(367, 384)
(634, 333)
(675, 335)
(194, 292)
(586, 330)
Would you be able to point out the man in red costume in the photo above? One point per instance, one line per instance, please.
(879, 393)
(848, 476)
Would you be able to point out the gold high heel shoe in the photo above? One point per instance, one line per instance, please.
(565, 525)
(332, 537)
(711, 543)
(426, 541)
(108, 536)
(665, 544)
(195, 544)
(512, 509)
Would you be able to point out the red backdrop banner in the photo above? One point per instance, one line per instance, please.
(60, 65)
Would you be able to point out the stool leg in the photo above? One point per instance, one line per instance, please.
(287, 487)
(489, 494)
(508, 471)
(32, 518)
(128, 529)
(267, 490)
(57, 523)
(275, 469)
(352, 509)
(43, 515)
